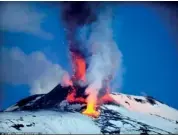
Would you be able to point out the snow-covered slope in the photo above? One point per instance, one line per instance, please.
(113, 119)
(46, 122)
(51, 113)
(147, 105)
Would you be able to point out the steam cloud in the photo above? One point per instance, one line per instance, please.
(89, 31)
(106, 58)
(34, 70)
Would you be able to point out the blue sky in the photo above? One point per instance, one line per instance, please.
(150, 55)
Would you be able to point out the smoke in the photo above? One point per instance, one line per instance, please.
(75, 16)
(33, 69)
(89, 32)
(106, 58)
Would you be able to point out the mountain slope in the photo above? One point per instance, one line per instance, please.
(51, 113)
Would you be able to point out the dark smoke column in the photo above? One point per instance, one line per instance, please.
(75, 15)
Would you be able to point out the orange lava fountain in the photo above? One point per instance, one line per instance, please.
(79, 67)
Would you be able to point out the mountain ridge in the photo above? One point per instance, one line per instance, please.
(128, 114)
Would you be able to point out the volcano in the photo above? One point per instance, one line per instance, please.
(119, 113)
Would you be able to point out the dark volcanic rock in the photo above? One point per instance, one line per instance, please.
(24, 101)
(139, 100)
(49, 100)
(17, 126)
(151, 100)
(57, 95)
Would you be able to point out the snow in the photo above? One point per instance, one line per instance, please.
(11, 108)
(159, 109)
(130, 116)
(152, 120)
(48, 122)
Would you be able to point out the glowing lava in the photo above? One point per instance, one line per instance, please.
(91, 105)
(91, 110)
(71, 97)
(79, 67)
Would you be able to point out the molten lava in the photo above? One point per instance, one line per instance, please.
(91, 105)
(91, 110)
(79, 66)
(71, 97)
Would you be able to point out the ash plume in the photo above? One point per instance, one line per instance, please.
(75, 16)
(89, 33)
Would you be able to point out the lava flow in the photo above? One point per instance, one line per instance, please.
(91, 105)
(91, 110)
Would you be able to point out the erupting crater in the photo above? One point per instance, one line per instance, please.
(92, 107)
(79, 65)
